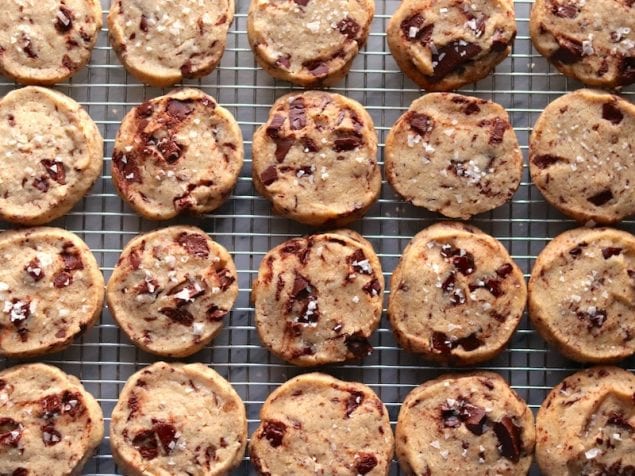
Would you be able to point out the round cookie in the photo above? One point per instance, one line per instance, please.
(171, 290)
(586, 425)
(472, 421)
(315, 159)
(317, 424)
(162, 42)
(444, 44)
(318, 43)
(592, 41)
(178, 419)
(453, 154)
(52, 153)
(582, 294)
(47, 41)
(319, 298)
(49, 424)
(456, 295)
(175, 153)
(581, 156)
(51, 291)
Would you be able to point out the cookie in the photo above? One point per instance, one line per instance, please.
(52, 153)
(456, 295)
(171, 290)
(162, 42)
(51, 291)
(317, 424)
(582, 294)
(473, 421)
(309, 43)
(592, 41)
(581, 156)
(49, 424)
(444, 44)
(453, 154)
(175, 153)
(315, 159)
(586, 425)
(178, 419)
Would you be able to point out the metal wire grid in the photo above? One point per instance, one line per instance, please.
(104, 358)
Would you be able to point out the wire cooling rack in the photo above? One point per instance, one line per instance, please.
(104, 358)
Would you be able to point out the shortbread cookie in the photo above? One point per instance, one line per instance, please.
(178, 419)
(171, 290)
(308, 42)
(51, 151)
(445, 44)
(49, 424)
(175, 153)
(453, 154)
(47, 41)
(456, 295)
(51, 291)
(592, 41)
(586, 425)
(582, 294)
(315, 159)
(162, 42)
(474, 422)
(317, 424)
(581, 156)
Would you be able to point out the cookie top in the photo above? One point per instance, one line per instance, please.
(49, 424)
(444, 44)
(581, 156)
(317, 424)
(51, 290)
(162, 42)
(582, 294)
(319, 298)
(52, 153)
(586, 424)
(47, 41)
(315, 159)
(178, 419)
(175, 153)
(456, 295)
(171, 290)
(318, 42)
(454, 154)
(472, 421)
(592, 41)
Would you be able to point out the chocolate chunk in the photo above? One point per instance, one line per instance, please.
(28, 47)
(145, 109)
(359, 263)
(41, 183)
(611, 251)
(283, 145)
(358, 345)
(309, 145)
(55, 170)
(72, 404)
(497, 130)
(349, 28)
(71, 257)
(365, 463)
(179, 315)
(471, 108)
(192, 290)
(566, 10)
(145, 442)
(618, 419)
(569, 51)
(601, 198)
(303, 3)
(372, 288)
(63, 19)
(464, 263)
(269, 176)
(273, 129)
(509, 439)
(347, 141)
(274, 432)
(127, 167)
(353, 401)
(34, 269)
(414, 30)
(178, 109)
(469, 343)
(301, 288)
(626, 70)
(194, 243)
(594, 317)
(451, 57)
(143, 24)
(310, 313)
(546, 160)
(20, 472)
(441, 342)
(284, 61)
(170, 150)
(422, 124)
(577, 251)
(215, 313)
(166, 434)
(505, 270)
(50, 436)
(494, 287)
(10, 432)
(20, 311)
(474, 418)
(317, 68)
(612, 113)
(297, 114)
(51, 406)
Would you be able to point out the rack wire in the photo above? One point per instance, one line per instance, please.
(104, 358)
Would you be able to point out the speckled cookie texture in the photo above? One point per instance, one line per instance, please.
(315, 159)
(444, 44)
(473, 421)
(47, 41)
(586, 425)
(456, 295)
(178, 419)
(319, 298)
(592, 41)
(454, 154)
(49, 424)
(582, 294)
(51, 291)
(51, 153)
(162, 42)
(171, 290)
(317, 424)
(308, 42)
(177, 153)
(581, 156)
